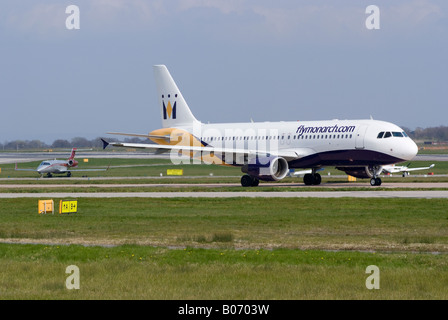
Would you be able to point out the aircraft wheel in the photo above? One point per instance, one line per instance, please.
(317, 179)
(308, 179)
(373, 182)
(378, 181)
(255, 182)
(69, 174)
(246, 180)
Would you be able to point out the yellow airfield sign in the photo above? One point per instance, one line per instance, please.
(45, 206)
(68, 206)
(174, 172)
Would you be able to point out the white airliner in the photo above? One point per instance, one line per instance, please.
(55, 166)
(268, 150)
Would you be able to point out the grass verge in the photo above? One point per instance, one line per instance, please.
(139, 272)
(226, 249)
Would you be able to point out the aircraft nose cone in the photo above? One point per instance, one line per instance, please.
(412, 150)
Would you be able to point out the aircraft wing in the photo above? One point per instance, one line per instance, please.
(288, 154)
(421, 168)
(396, 169)
(69, 169)
(139, 135)
(17, 169)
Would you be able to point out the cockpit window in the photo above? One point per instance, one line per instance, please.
(45, 163)
(397, 134)
(404, 134)
(387, 134)
(380, 135)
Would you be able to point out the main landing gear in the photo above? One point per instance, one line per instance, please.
(248, 181)
(312, 178)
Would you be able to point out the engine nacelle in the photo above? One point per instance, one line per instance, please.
(361, 172)
(267, 168)
(70, 163)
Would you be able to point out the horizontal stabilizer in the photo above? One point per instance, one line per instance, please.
(167, 137)
(105, 143)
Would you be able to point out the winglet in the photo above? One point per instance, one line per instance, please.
(105, 143)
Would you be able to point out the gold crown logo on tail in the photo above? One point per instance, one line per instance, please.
(169, 112)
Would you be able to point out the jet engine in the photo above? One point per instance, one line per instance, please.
(267, 168)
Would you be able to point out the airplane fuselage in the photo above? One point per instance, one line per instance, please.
(55, 166)
(316, 143)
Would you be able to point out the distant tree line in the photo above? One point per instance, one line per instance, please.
(77, 142)
(438, 134)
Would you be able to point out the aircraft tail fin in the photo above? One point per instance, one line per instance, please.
(72, 155)
(174, 108)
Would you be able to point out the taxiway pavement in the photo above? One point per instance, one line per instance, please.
(422, 194)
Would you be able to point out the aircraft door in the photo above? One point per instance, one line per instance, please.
(360, 135)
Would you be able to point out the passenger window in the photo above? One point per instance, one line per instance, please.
(380, 135)
(387, 135)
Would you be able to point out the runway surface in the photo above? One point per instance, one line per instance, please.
(294, 190)
(301, 191)
(426, 194)
(299, 186)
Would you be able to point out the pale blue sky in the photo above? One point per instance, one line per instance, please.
(233, 60)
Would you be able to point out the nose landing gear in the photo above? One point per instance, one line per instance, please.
(375, 170)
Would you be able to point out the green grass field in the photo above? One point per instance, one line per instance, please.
(234, 248)
(141, 272)
(226, 249)
(329, 224)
